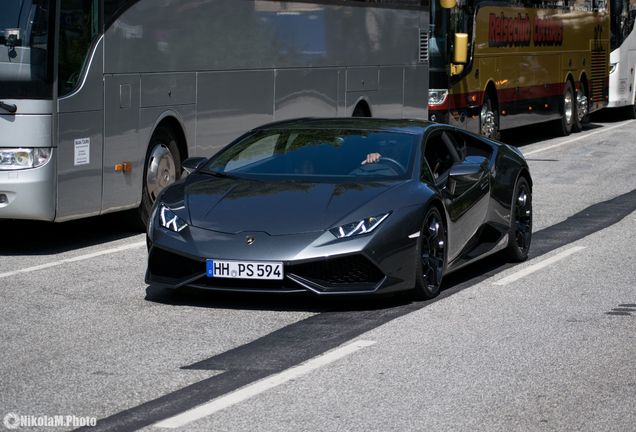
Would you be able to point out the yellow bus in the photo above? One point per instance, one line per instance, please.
(500, 64)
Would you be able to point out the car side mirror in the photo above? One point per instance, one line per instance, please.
(192, 164)
(464, 175)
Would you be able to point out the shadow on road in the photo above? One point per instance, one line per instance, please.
(44, 238)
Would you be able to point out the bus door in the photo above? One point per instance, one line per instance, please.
(80, 108)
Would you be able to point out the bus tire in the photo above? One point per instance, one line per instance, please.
(630, 111)
(582, 108)
(489, 118)
(568, 111)
(162, 168)
(361, 110)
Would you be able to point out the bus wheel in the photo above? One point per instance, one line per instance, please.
(631, 110)
(582, 105)
(489, 119)
(568, 111)
(163, 167)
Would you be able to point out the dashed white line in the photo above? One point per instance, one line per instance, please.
(73, 259)
(577, 138)
(261, 386)
(538, 266)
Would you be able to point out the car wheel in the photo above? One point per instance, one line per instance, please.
(431, 256)
(162, 168)
(582, 111)
(568, 111)
(520, 234)
(489, 119)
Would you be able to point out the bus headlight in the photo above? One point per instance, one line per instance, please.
(437, 96)
(23, 158)
(612, 67)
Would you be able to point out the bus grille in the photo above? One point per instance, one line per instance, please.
(423, 57)
(599, 75)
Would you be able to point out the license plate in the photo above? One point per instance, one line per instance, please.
(244, 269)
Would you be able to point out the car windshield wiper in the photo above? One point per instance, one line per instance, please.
(11, 108)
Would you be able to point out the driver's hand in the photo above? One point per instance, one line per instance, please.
(372, 158)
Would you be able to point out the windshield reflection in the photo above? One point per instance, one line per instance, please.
(25, 54)
(318, 155)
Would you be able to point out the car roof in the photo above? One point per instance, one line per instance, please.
(389, 125)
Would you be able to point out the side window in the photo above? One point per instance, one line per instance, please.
(473, 146)
(437, 157)
(79, 26)
(112, 9)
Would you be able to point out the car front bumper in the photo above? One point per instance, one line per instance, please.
(380, 262)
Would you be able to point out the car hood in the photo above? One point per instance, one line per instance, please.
(277, 208)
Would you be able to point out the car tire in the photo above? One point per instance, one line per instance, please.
(568, 111)
(520, 234)
(162, 168)
(430, 256)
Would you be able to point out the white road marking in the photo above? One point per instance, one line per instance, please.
(538, 266)
(74, 259)
(261, 386)
(577, 138)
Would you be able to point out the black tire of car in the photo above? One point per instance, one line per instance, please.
(162, 138)
(520, 234)
(568, 111)
(430, 256)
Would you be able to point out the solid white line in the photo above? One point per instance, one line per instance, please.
(538, 266)
(261, 386)
(74, 259)
(577, 138)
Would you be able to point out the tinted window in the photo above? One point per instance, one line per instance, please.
(318, 155)
(79, 27)
(25, 49)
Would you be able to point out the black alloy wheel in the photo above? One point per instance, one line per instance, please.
(431, 256)
(520, 235)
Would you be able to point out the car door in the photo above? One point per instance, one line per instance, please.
(465, 191)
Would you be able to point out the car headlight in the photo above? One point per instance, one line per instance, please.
(169, 220)
(363, 226)
(437, 96)
(23, 158)
(612, 67)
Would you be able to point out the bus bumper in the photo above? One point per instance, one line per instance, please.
(29, 193)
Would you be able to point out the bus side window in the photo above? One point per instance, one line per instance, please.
(79, 26)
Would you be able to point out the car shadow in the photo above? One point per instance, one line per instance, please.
(22, 238)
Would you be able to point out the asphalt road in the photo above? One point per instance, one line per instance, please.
(546, 345)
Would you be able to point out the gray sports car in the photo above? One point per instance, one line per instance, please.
(341, 206)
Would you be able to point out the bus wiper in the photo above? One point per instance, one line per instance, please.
(9, 107)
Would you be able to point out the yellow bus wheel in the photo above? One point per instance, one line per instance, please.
(581, 108)
(489, 118)
(568, 110)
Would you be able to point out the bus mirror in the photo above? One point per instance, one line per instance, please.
(448, 4)
(460, 53)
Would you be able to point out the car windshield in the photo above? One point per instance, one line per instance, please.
(25, 49)
(318, 155)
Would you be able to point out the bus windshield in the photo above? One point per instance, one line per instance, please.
(25, 49)
(622, 21)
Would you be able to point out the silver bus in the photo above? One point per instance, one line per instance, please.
(101, 100)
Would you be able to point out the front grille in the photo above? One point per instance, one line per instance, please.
(247, 284)
(339, 272)
(170, 265)
(423, 54)
(599, 74)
